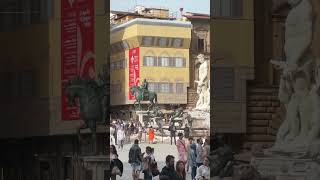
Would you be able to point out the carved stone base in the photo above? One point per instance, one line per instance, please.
(96, 165)
(287, 168)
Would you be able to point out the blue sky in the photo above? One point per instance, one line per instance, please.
(197, 6)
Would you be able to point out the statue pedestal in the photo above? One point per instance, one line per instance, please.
(141, 115)
(200, 123)
(285, 168)
(96, 166)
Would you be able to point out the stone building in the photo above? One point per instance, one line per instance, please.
(41, 48)
(200, 43)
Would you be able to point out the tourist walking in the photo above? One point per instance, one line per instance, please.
(151, 135)
(206, 148)
(147, 161)
(172, 130)
(181, 170)
(186, 131)
(140, 132)
(203, 172)
(135, 159)
(191, 163)
(120, 137)
(199, 152)
(116, 165)
(168, 172)
(182, 149)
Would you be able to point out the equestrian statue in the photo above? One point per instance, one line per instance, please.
(92, 100)
(142, 93)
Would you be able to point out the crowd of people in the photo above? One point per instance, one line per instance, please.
(192, 156)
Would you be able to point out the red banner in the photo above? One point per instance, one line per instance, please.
(77, 47)
(134, 70)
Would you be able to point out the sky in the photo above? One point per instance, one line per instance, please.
(196, 6)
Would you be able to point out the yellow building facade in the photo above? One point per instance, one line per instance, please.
(163, 58)
(233, 63)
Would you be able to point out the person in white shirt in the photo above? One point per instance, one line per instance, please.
(203, 172)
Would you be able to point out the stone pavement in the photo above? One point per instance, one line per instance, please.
(161, 150)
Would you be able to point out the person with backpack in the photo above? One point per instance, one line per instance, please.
(135, 159)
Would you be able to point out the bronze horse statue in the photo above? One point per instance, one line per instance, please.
(149, 96)
(91, 97)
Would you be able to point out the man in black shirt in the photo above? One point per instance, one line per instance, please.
(172, 130)
(168, 172)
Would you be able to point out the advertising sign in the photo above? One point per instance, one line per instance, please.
(77, 47)
(134, 70)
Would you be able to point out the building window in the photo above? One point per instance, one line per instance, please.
(179, 62)
(153, 87)
(164, 88)
(177, 42)
(148, 41)
(149, 61)
(163, 42)
(200, 44)
(228, 8)
(164, 61)
(179, 88)
(123, 64)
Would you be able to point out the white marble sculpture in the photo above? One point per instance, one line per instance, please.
(297, 91)
(203, 85)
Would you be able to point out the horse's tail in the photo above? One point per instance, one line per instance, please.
(155, 98)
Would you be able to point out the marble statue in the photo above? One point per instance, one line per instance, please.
(297, 90)
(203, 90)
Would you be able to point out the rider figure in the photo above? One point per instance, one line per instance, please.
(144, 87)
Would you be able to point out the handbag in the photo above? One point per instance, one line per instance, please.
(115, 171)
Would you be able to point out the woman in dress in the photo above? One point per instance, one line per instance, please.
(181, 171)
(182, 149)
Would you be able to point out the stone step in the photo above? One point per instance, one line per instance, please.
(260, 138)
(263, 103)
(248, 145)
(263, 90)
(257, 130)
(262, 109)
(259, 116)
(257, 123)
(262, 98)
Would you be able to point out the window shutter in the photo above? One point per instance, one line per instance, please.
(171, 87)
(159, 61)
(173, 61)
(184, 62)
(155, 61)
(216, 8)
(144, 60)
(181, 45)
(168, 41)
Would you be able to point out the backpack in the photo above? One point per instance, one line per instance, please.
(154, 169)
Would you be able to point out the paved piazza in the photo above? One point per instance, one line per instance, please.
(161, 150)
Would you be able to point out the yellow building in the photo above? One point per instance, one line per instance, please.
(163, 56)
(30, 76)
(232, 63)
